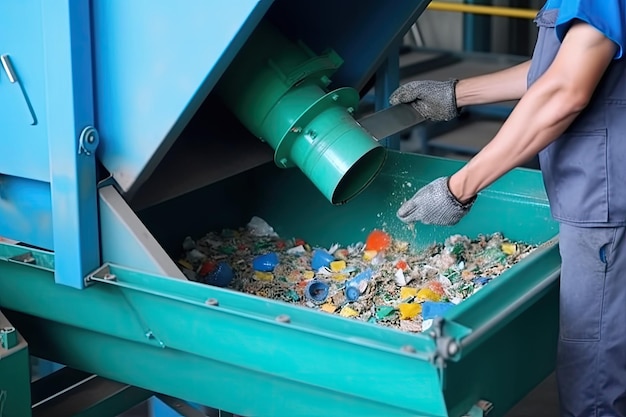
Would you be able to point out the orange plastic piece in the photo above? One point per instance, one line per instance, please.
(401, 264)
(378, 240)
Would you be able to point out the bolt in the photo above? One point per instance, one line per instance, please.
(312, 134)
(91, 138)
(149, 334)
(335, 97)
(350, 110)
(283, 162)
(109, 277)
(296, 129)
(283, 318)
(453, 348)
(408, 349)
(212, 302)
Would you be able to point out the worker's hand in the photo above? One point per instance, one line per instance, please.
(434, 100)
(434, 204)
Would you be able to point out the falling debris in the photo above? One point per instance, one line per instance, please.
(382, 280)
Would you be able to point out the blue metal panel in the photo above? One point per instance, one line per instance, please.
(25, 211)
(362, 32)
(155, 62)
(69, 103)
(23, 145)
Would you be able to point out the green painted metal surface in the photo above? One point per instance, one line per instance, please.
(277, 88)
(14, 373)
(238, 352)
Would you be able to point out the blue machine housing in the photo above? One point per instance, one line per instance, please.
(112, 84)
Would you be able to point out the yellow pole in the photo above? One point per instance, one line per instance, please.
(488, 10)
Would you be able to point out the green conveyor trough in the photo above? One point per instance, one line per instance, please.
(187, 159)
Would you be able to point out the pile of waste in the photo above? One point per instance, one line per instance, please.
(382, 280)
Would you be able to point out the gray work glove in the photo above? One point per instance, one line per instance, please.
(434, 204)
(434, 100)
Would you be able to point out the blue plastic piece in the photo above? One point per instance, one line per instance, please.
(321, 258)
(265, 263)
(481, 280)
(221, 277)
(352, 286)
(316, 291)
(432, 309)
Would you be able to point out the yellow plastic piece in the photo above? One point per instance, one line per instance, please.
(337, 266)
(426, 294)
(348, 312)
(509, 248)
(340, 277)
(406, 292)
(263, 276)
(308, 274)
(368, 255)
(409, 311)
(328, 308)
(185, 264)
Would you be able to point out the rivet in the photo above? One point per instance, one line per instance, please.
(283, 318)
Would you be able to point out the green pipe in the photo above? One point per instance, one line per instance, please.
(277, 89)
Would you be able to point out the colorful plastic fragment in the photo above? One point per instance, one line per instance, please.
(321, 258)
(348, 312)
(316, 291)
(409, 310)
(426, 294)
(222, 276)
(263, 276)
(378, 240)
(431, 309)
(266, 262)
(337, 266)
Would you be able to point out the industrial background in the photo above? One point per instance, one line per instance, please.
(127, 127)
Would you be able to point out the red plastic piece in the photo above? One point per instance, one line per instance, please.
(207, 267)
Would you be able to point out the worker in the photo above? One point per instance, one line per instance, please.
(572, 112)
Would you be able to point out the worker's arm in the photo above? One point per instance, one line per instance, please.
(544, 112)
(441, 100)
(504, 85)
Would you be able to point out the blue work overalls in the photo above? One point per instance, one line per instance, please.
(585, 177)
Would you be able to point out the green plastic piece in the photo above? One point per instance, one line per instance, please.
(277, 89)
(384, 311)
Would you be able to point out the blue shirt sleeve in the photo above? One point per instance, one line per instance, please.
(608, 16)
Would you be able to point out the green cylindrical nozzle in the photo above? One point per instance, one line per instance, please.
(277, 89)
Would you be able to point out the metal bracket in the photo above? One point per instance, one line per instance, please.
(88, 141)
(101, 274)
(8, 338)
(447, 347)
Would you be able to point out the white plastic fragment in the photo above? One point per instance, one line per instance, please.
(195, 256)
(259, 227)
(426, 324)
(296, 250)
(401, 279)
(334, 248)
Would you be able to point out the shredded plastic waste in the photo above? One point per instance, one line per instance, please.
(382, 280)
